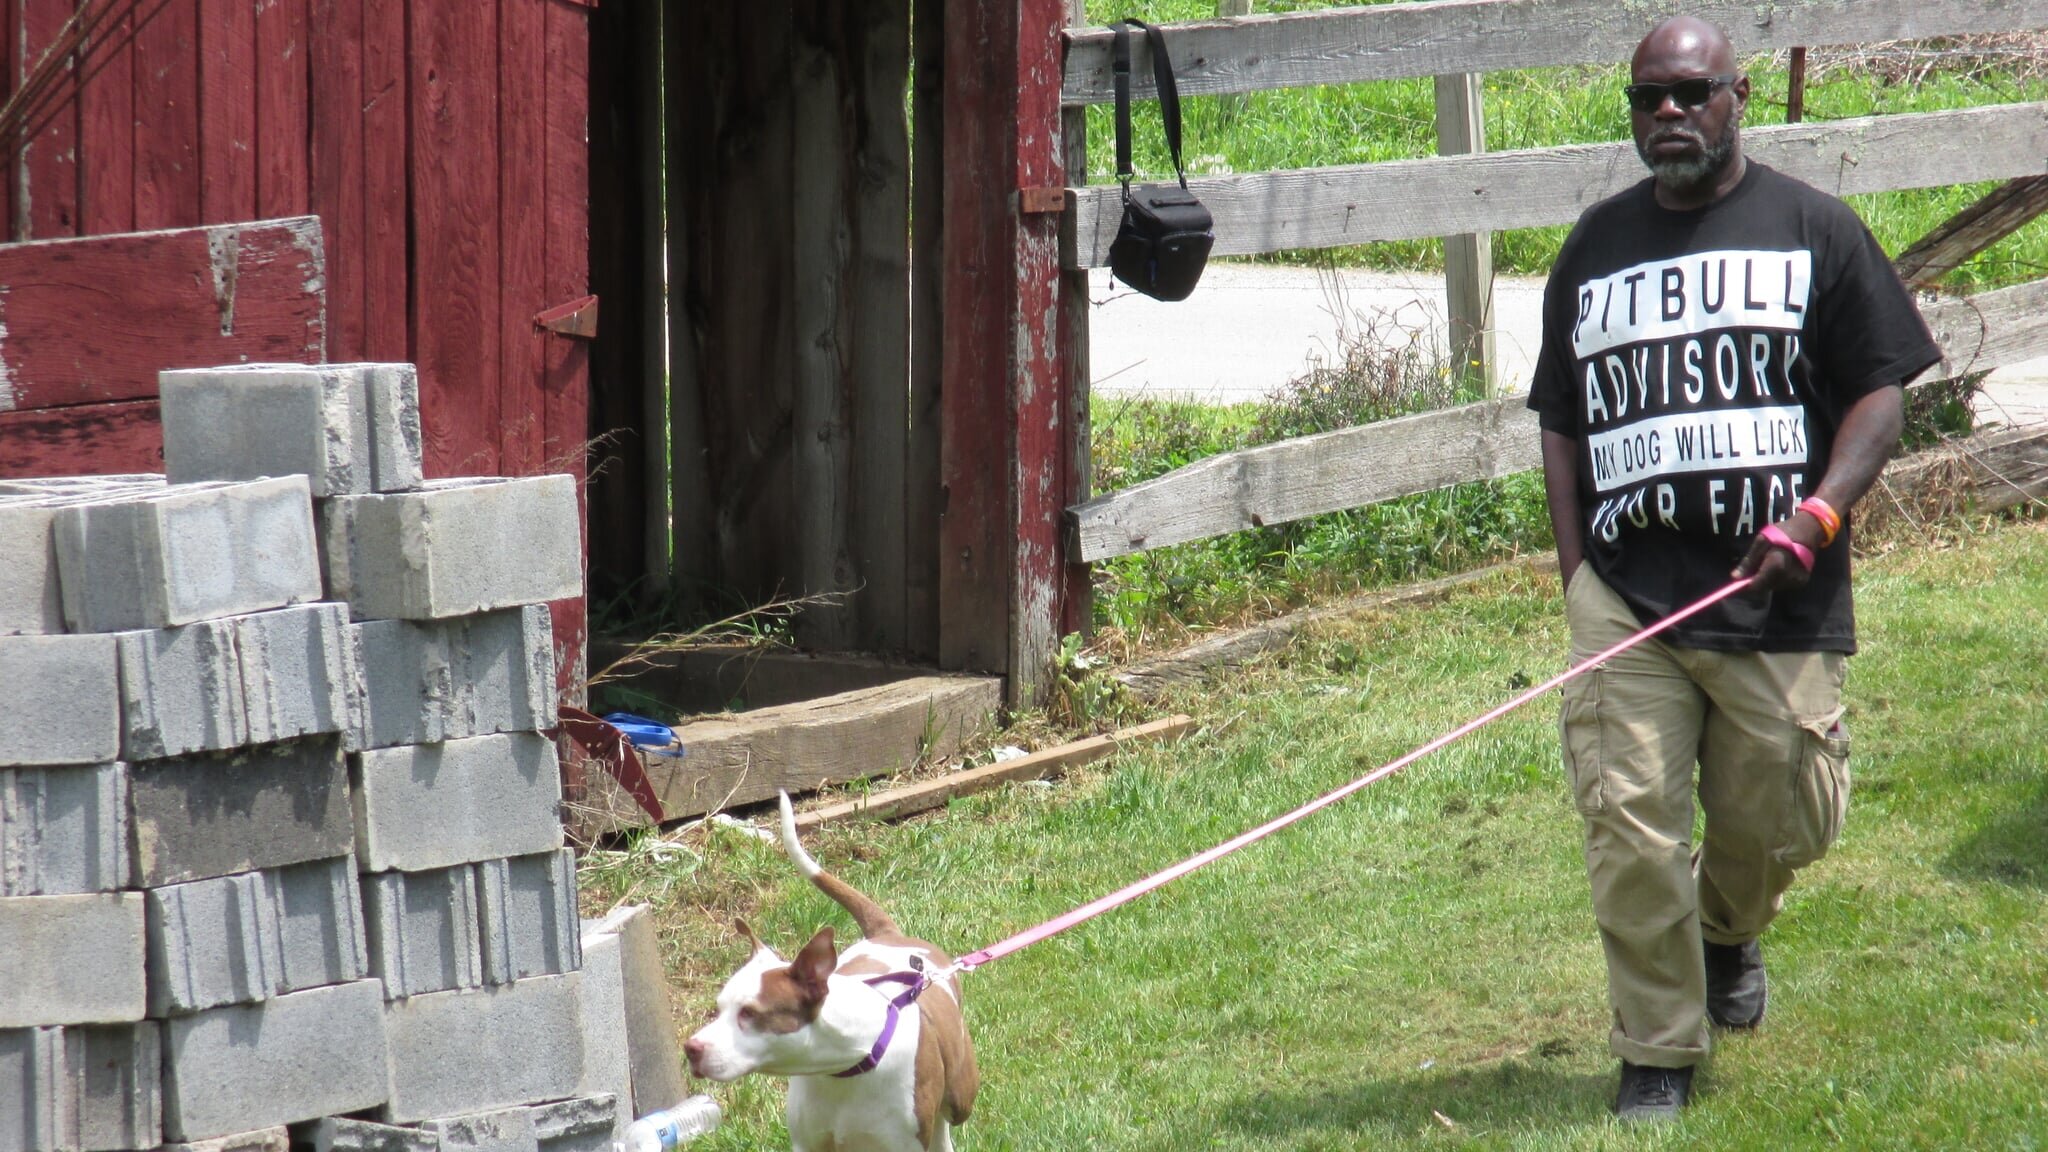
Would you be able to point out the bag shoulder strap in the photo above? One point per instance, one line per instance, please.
(1162, 79)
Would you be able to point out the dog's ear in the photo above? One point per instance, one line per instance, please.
(814, 964)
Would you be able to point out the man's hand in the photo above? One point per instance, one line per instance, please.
(1776, 569)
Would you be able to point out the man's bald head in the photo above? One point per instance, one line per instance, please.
(1685, 41)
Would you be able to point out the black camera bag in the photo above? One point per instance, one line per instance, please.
(1164, 240)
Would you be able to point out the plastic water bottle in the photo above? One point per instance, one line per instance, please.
(663, 1130)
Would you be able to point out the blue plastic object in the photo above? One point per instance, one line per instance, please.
(658, 738)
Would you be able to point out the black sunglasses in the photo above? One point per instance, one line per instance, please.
(1690, 93)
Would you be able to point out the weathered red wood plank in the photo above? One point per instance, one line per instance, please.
(87, 440)
(227, 112)
(386, 274)
(1002, 460)
(282, 100)
(10, 75)
(106, 144)
(523, 81)
(335, 47)
(49, 158)
(455, 241)
(1042, 448)
(976, 576)
(78, 325)
(167, 171)
(566, 391)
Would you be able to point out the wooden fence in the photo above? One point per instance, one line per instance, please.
(1481, 192)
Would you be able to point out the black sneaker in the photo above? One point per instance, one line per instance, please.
(1736, 985)
(1652, 1093)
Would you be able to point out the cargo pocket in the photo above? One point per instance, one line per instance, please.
(1579, 732)
(1820, 792)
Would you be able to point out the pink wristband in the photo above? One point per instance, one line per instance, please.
(1800, 552)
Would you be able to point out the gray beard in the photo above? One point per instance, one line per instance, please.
(1695, 173)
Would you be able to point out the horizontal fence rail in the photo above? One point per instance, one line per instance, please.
(1389, 41)
(1352, 467)
(1442, 196)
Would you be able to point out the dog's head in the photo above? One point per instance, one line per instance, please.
(771, 1017)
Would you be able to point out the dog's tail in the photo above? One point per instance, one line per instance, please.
(866, 913)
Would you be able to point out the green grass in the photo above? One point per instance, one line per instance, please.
(1536, 108)
(1427, 947)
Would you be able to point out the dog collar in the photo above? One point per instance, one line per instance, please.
(918, 982)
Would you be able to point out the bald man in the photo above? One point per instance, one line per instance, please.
(1724, 350)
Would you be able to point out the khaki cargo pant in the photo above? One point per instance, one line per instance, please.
(1763, 729)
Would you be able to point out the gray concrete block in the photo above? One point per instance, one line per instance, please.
(255, 420)
(81, 1089)
(215, 815)
(63, 830)
(278, 1139)
(419, 682)
(650, 1016)
(505, 1130)
(584, 1124)
(439, 1043)
(181, 691)
(187, 553)
(71, 959)
(393, 393)
(248, 937)
(301, 1056)
(454, 548)
(29, 601)
(423, 930)
(529, 916)
(295, 671)
(60, 700)
(340, 1134)
(607, 1059)
(434, 805)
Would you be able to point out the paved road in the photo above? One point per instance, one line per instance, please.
(1250, 328)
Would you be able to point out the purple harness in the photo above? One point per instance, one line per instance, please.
(918, 981)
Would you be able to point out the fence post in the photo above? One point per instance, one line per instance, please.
(1078, 615)
(1468, 259)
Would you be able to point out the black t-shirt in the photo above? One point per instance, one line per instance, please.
(1703, 360)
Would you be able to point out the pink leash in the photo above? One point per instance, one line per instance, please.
(1125, 895)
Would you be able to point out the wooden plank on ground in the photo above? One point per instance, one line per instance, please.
(1044, 764)
(1352, 467)
(82, 440)
(1197, 662)
(81, 322)
(1445, 195)
(1346, 45)
(745, 757)
(2000, 213)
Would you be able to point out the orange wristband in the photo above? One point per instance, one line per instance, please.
(1830, 520)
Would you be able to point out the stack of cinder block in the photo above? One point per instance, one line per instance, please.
(280, 841)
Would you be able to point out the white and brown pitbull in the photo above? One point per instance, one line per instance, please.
(876, 1050)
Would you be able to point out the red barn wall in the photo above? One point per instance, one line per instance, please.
(442, 143)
